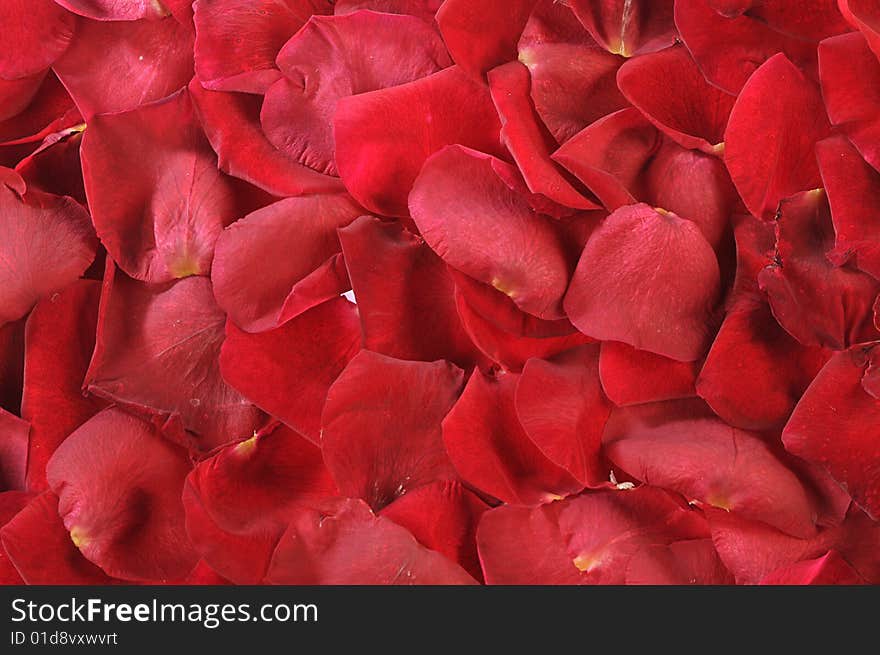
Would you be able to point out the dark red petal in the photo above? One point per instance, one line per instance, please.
(632, 377)
(237, 40)
(821, 429)
(695, 186)
(528, 140)
(287, 371)
(54, 167)
(671, 314)
(865, 16)
(47, 244)
(116, 9)
(41, 550)
(17, 94)
(850, 75)
(13, 451)
(405, 294)
(669, 89)
(36, 33)
(11, 365)
(161, 220)
(483, 35)
(59, 338)
(119, 484)
(442, 516)
(11, 503)
(350, 545)
(627, 27)
(117, 66)
(380, 428)
(292, 239)
(333, 57)
(772, 132)
(157, 354)
(562, 75)
(50, 110)
(747, 43)
(510, 247)
(512, 349)
(238, 501)
(491, 451)
(232, 124)
(383, 137)
(816, 302)
(830, 569)
(718, 465)
(692, 562)
(562, 409)
(609, 155)
(808, 19)
(853, 190)
(424, 9)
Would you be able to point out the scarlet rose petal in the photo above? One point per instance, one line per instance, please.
(864, 16)
(628, 27)
(379, 461)
(384, 137)
(116, 9)
(59, 340)
(14, 434)
(333, 57)
(770, 137)
(119, 484)
(830, 569)
(117, 66)
(237, 40)
(287, 371)
(11, 503)
(561, 407)
(350, 545)
(632, 377)
(692, 562)
(292, 239)
(669, 89)
(157, 354)
(670, 316)
(424, 9)
(511, 247)
(490, 449)
(37, 32)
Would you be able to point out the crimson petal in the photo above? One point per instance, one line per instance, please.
(830, 569)
(116, 9)
(627, 27)
(36, 33)
(689, 562)
(632, 377)
(14, 436)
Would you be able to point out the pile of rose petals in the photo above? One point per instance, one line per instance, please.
(425, 292)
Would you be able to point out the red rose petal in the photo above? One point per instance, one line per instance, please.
(350, 545)
(609, 155)
(37, 32)
(237, 40)
(11, 365)
(747, 43)
(632, 377)
(562, 409)
(821, 428)
(853, 190)
(442, 516)
(17, 94)
(490, 449)
(333, 57)
(511, 247)
(287, 371)
(47, 244)
(719, 466)
(383, 137)
(50, 110)
(41, 550)
(864, 16)
(161, 221)
(379, 461)
(669, 89)
(157, 354)
(293, 239)
(424, 9)
(11, 503)
(238, 501)
(482, 36)
(59, 338)
(527, 139)
(119, 484)
(770, 137)
(669, 316)
(118, 66)
(830, 569)
(817, 303)
(692, 562)
(627, 27)
(405, 294)
(14, 435)
(116, 9)
(232, 124)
